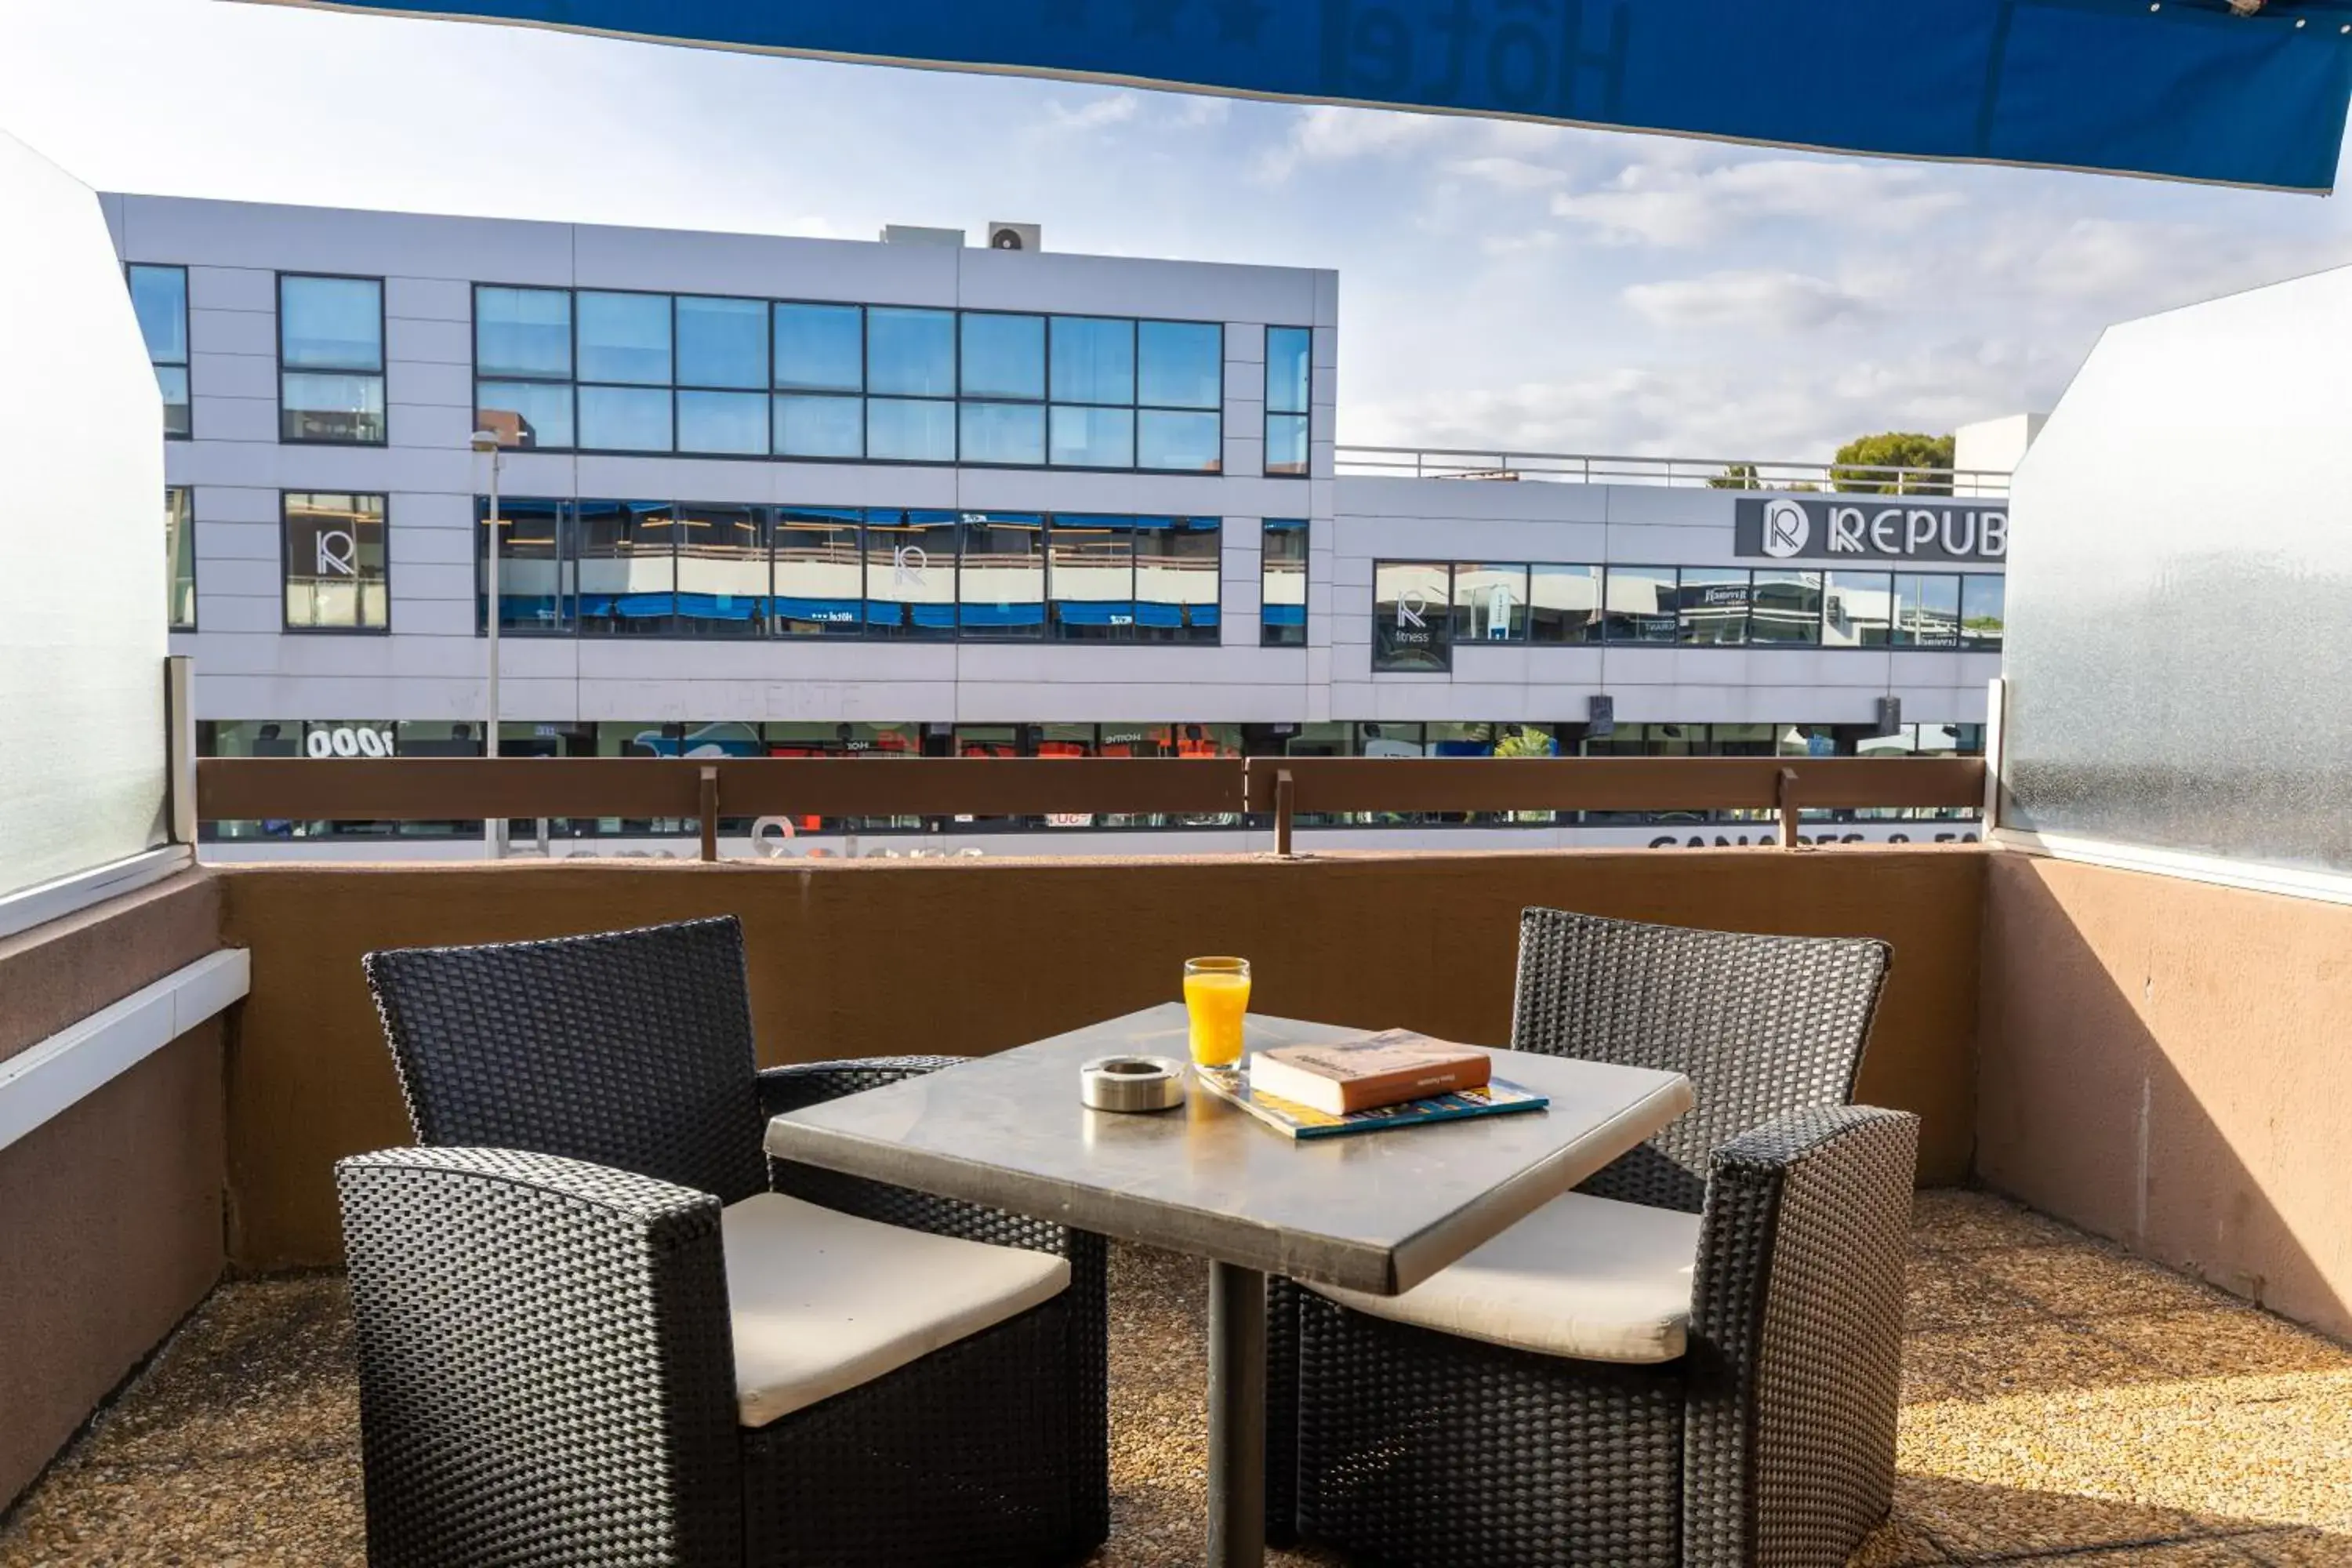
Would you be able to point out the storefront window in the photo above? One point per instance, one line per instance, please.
(1490, 603)
(1982, 606)
(1713, 603)
(820, 572)
(334, 548)
(1786, 609)
(627, 573)
(910, 574)
(722, 570)
(1411, 617)
(1641, 605)
(1178, 579)
(1563, 604)
(1857, 609)
(1001, 578)
(536, 573)
(1093, 560)
(1926, 610)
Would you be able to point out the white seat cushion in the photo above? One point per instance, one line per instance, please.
(822, 1301)
(1584, 1277)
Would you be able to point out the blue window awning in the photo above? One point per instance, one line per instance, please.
(2183, 89)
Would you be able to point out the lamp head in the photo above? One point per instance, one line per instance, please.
(485, 441)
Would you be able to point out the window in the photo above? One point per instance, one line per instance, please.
(180, 550)
(1289, 377)
(1092, 438)
(1926, 610)
(1001, 578)
(1981, 604)
(722, 376)
(1178, 574)
(1490, 604)
(1004, 356)
(331, 359)
(910, 573)
(159, 298)
(1563, 604)
(334, 562)
(1411, 617)
(1857, 609)
(627, 571)
(1092, 559)
(1180, 369)
(1785, 608)
(522, 365)
(820, 572)
(536, 570)
(625, 343)
(1713, 603)
(1640, 605)
(911, 354)
(722, 570)
(1012, 433)
(1282, 583)
(1093, 385)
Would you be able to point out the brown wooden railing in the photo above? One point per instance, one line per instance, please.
(435, 789)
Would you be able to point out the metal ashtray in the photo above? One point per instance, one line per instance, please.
(1132, 1083)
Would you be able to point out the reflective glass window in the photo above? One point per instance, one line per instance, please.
(1285, 446)
(821, 348)
(1388, 739)
(625, 338)
(1289, 350)
(1857, 609)
(1178, 574)
(807, 427)
(1004, 356)
(525, 414)
(909, 353)
(1003, 432)
(1563, 604)
(1490, 603)
(159, 298)
(1001, 576)
(910, 574)
(628, 570)
(1926, 610)
(1714, 602)
(722, 342)
(1093, 437)
(330, 323)
(1282, 579)
(625, 418)
(1785, 607)
(1412, 615)
(733, 424)
(820, 572)
(1179, 364)
(334, 562)
(315, 405)
(172, 380)
(523, 333)
(1982, 601)
(1094, 360)
(1093, 566)
(1640, 606)
(180, 550)
(1179, 443)
(536, 573)
(910, 430)
(722, 570)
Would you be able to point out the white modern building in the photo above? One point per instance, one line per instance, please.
(763, 495)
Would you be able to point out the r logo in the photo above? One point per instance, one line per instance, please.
(1409, 606)
(1786, 529)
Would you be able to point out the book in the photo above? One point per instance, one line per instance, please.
(1303, 1123)
(1386, 1068)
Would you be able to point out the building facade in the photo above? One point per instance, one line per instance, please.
(761, 495)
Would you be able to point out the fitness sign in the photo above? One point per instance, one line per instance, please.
(1916, 527)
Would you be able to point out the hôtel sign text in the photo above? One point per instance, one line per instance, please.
(1916, 527)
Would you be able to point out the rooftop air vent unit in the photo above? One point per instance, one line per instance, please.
(1015, 236)
(914, 234)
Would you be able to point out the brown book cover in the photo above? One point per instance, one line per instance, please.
(1387, 1069)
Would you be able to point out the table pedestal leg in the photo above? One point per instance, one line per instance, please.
(1236, 1417)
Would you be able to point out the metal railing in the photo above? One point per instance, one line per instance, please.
(1686, 473)
(437, 789)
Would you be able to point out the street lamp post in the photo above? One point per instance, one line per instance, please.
(494, 829)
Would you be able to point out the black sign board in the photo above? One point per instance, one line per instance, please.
(1872, 528)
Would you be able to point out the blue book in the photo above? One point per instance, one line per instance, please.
(1294, 1120)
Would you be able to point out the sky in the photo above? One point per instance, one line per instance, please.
(1502, 284)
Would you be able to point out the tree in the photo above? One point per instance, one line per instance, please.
(1744, 477)
(1858, 461)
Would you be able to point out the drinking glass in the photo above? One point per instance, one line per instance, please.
(1216, 994)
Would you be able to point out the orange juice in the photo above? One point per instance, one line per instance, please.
(1217, 995)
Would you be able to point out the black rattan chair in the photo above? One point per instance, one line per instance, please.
(549, 1363)
(1737, 1410)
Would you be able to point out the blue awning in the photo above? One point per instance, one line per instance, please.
(2180, 89)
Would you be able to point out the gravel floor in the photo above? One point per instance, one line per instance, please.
(2062, 1403)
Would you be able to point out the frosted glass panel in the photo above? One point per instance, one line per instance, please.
(82, 585)
(2179, 646)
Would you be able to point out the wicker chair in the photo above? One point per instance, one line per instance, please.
(558, 1359)
(1696, 1359)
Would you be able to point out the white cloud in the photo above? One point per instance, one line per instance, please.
(1671, 204)
(1327, 134)
(1200, 110)
(1508, 174)
(1095, 113)
(1761, 301)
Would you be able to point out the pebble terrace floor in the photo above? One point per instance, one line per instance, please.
(2062, 1403)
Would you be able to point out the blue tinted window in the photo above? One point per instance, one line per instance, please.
(911, 354)
(1094, 360)
(624, 337)
(902, 431)
(1003, 433)
(625, 418)
(722, 342)
(627, 573)
(1004, 356)
(525, 413)
(1093, 578)
(1289, 353)
(535, 568)
(1180, 364)
(330, 323)
(522, 332)
(1093, 438)
(159, 296)
(820, 426)
(735, 422)
(172, 380)
(1178, 574)
(324, 405)
(1185, 443)
(1286, 443)
(821, 348)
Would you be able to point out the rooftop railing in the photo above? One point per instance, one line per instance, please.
(1280, 789)
(1686, 473)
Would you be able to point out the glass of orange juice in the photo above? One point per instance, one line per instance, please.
(1216, 994)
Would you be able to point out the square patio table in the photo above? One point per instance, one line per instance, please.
(1376, 1212)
